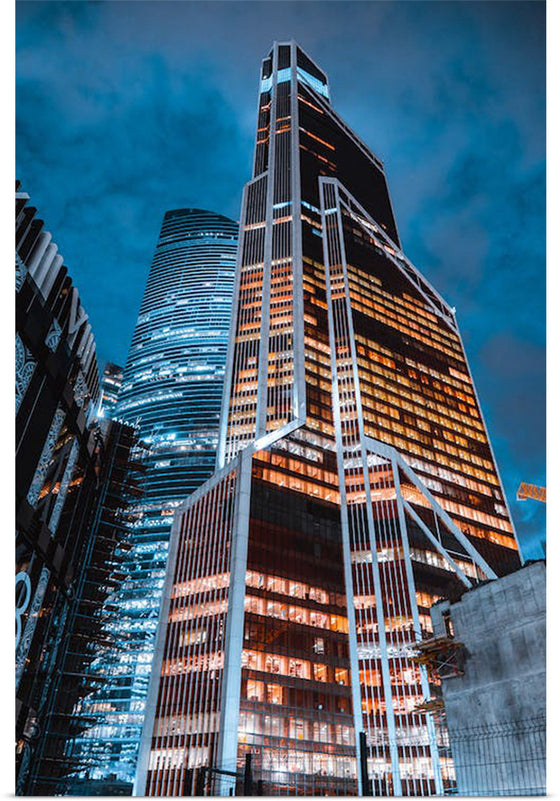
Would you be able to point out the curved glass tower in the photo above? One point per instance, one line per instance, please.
(173, 380)
(172, 390)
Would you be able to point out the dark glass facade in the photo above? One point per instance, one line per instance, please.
(58, 460)
(171, 391)
(78, 671)
(356, 486)
(295, 703)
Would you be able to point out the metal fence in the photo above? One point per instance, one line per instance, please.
(500, 759)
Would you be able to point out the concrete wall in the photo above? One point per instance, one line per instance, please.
(496, 710)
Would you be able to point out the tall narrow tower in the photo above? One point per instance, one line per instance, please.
(356, 485)
(171, 391)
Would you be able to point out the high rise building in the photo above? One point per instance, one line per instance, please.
(79, 668)
(64, 463)
(111, 382)
(56, 386)
(171, 391)
(355, 486)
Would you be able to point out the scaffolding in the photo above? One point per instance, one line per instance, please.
(444, 656)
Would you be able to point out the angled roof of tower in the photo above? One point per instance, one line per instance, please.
(307, 69)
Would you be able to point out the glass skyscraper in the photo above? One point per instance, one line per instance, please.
(59, 457)
(356, 485)
(111, 382)
(171, 392)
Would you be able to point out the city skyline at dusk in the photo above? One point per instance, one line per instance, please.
(127, 110)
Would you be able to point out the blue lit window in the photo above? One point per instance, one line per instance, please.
(283, 75)
(305, 77)
(314, 83)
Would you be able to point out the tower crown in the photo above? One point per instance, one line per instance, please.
(276, 344)
(286, 56)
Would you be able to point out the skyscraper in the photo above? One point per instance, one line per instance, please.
(57, 465)
(77, 669)
(171, 392)
(111, 382)
(356, 485)
(70, 498)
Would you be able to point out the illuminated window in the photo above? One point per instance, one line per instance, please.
(274, 693)
(255, 690)
(298, 729)
(341, 676)
(273, 664)
(296, 668)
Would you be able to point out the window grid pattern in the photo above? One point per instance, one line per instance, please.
(295, 707)
(189, 697)
(439, 379)
(403, 746)
(339, 460)
(385, 627)
(171, 390)
(242, 415)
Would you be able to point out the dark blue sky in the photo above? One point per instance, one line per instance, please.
(126, 109)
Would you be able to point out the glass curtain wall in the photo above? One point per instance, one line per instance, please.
(366, 486)
(171, 392)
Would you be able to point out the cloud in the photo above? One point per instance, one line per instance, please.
(125, 110)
